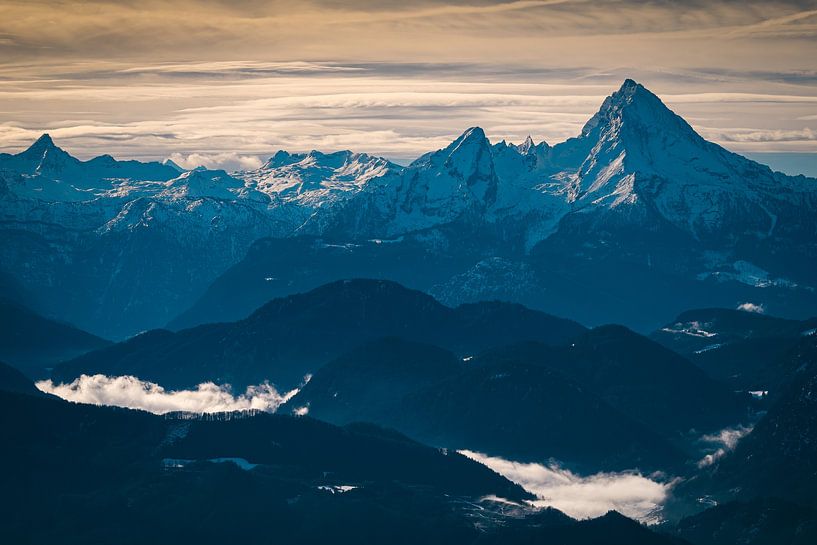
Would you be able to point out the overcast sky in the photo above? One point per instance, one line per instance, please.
(226, 83)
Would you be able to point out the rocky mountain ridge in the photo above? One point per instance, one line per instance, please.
(638, 188)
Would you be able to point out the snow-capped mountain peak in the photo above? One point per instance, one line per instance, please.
(105, 159)
(634, 151)
(639, 152)
(629, 112)
(637, 180)
(43, 143)
(465, 166)
(526, 146)
(280, 158)
(473, 140)
(44, 157)
(466, 158)
(302, 182)
(203, 183)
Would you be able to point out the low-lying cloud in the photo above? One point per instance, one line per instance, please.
(226, 161)
(752, 307)
(133, 393)
(722, 443)
(629, 493)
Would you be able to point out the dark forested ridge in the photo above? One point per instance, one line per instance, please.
(290, 337)
(33, 343)
(259, 479)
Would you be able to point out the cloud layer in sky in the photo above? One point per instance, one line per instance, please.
(132, 393)
(629, 493)
(228, 83)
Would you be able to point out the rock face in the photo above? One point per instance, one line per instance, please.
(638, 211)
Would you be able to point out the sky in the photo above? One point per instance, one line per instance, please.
(225, 84)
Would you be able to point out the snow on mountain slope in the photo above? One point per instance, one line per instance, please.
(304, 189)
(634, 152)
(314, 178)
(469, 182)
(642, 154)
(215, 184)
(634, 156)
(439, 187)
(638, 185)
(45, 162)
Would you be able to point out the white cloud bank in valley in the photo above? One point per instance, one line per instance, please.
(629, 493)
(133, 393)
(722, 443)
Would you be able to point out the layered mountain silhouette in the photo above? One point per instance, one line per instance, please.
(492, 377)
(639, 377)
(519, 411)
(33, 343)
(148, 477)
(12, 380)
(291, 337)
(636, 219)
(610, 399)
(368, 383)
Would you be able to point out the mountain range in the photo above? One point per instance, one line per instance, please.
(35, 344)
(612, 225)
(626, 317)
